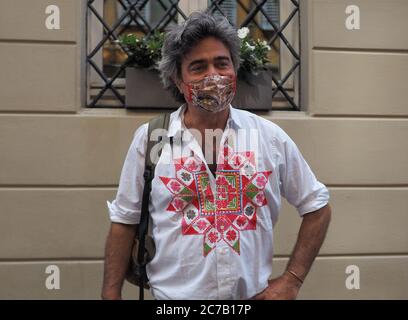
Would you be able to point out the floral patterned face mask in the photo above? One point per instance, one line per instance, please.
(213, 93)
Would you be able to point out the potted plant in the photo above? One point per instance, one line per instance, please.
(144, 89)
(143, 86)
(254, 85)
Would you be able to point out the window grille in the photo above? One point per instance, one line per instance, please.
(275, 21)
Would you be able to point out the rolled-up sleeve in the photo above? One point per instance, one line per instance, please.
(298, 184)
(126, 207)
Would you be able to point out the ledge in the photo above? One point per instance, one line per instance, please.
(121, 112)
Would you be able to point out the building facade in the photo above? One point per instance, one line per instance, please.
(60, 161)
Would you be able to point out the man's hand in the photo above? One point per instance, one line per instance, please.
(311, 235)
(285, 287)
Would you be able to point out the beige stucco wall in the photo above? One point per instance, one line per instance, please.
(60, 162)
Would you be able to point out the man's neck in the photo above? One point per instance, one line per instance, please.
(201, 119)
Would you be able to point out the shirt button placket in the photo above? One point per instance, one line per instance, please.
(223, 272)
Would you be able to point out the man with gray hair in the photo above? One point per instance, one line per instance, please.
(213, 207)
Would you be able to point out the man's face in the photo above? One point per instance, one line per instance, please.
(209, 57)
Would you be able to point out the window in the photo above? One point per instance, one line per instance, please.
(271, 8)
(227, 8)
(275, 21)
(144, 8)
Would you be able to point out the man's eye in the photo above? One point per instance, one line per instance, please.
(223, 64)
(197, 68)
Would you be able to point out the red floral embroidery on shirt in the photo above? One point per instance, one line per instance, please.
(261, 180)
(231, 235)
(201, 224)
(241, 221)
(212, 236)
(239, 191)
(175, 186)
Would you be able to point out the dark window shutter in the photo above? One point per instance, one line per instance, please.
(272, 8)
(229, 8)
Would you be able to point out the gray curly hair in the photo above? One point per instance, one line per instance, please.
(180, 39)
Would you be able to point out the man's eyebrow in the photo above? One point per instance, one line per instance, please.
(222, 58)
(200, 61)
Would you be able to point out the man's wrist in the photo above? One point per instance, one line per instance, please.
(293, 278)
(111, 296)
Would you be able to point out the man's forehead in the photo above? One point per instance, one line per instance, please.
(207, 49)
(207, 56)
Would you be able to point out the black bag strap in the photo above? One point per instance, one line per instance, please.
(160, 122)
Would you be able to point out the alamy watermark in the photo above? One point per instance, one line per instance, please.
(52, 22)
(353, 18)
(214, 144)
(353, 280)
(52, 282)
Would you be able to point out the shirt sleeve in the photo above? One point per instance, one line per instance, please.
(126, 207)
(298, 184)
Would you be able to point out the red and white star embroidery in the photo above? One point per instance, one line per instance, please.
(220, 216)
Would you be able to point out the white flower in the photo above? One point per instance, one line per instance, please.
(251, 47)
(265, 44)
(243, 32)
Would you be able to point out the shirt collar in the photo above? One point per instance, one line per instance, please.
(177, 120)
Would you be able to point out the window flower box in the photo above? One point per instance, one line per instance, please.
(144, 89)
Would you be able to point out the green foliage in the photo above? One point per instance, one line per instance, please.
(146, 51)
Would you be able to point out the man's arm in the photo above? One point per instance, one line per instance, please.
(117, 253)
(310, 238)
